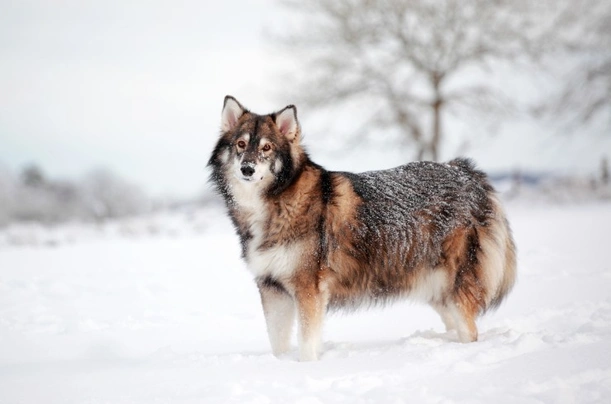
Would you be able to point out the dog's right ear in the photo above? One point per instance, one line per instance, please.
(232, 111)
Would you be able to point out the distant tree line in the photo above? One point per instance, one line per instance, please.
(99, 195)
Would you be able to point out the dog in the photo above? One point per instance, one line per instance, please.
(318, 240)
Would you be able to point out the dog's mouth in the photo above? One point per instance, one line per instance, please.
(252, 178)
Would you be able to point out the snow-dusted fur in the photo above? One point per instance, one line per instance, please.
(317, 240)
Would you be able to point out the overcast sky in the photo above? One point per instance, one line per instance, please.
(137, 86)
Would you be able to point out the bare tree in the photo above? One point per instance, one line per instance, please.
(583, 39)
(406, 57)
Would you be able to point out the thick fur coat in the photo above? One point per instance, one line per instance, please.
(317, 240)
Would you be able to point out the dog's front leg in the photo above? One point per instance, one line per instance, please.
(279, 310)
(311, 306)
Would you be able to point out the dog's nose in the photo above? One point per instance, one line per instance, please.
(247, 171)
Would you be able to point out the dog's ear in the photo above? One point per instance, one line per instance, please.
(286, 121)
(232, 111)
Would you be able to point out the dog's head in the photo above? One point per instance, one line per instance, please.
(261, 150)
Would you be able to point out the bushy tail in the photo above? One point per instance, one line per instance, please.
(498, 257)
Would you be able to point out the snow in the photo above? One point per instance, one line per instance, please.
(174, 317)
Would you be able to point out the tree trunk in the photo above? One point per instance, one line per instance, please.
(436, 105)
(436, 130)
(421, 152)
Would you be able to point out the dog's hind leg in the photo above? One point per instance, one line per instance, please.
(279, 310)
(446, 316)
(464, 317)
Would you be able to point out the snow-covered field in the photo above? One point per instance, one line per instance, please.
(174, 317)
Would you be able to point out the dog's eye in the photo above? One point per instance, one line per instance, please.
(241, 144)
(267, 147)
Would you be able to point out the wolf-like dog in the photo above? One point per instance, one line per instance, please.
(318, 240)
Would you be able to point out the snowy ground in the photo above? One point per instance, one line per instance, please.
(175, 318)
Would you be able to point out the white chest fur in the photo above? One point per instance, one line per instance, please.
(279, 260)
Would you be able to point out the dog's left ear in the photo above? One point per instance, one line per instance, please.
(286, 121)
